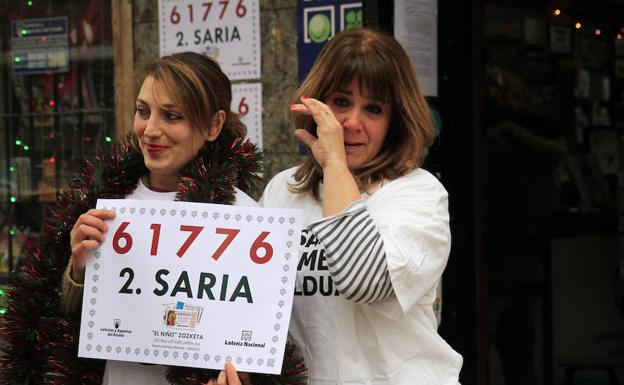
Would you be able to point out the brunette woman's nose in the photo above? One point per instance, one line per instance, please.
(351, 120)
(152, 127)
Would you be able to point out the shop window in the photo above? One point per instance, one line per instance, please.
(56, 107)
(553, 122)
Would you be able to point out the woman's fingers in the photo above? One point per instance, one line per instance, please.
(222, 379)
(80, 251)
(87, 231)
(317, 109)
(328, 145)
(94, 218)
(82, 248)
(86, 235)
(229, 376)
(300, 109)
(305, 137)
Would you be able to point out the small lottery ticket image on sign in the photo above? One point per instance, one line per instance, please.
(182, 315)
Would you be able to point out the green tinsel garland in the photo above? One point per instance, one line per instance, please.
(40, 343)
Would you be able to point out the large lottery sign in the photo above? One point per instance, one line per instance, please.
(228, 30)
(191, 284)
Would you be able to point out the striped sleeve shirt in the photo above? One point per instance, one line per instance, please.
(355, 254)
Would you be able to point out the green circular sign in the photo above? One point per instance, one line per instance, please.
(351, 17)
(354, 19)
(319, 28)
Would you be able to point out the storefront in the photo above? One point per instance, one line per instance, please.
(531, 108)
(553, 118)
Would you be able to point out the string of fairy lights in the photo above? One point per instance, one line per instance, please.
(3, 309)
(13, 199)
(579, 25)
(26, 148)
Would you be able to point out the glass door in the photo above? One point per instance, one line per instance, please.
(56, 108)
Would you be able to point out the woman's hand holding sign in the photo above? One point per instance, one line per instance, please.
(86, 235)
(229, 376)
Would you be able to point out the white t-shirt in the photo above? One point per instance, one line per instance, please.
(392, 342)
(132, 373)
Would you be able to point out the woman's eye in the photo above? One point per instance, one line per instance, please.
(142, 112)
(341, 102)
(374, 109)
(173, 116)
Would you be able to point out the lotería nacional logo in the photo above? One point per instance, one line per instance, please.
(245, 340)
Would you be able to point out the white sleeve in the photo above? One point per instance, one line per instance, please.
(411, 214)
(393, 245)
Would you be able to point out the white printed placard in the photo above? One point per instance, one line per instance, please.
(247, 102)
(227, 30)
(191, 284)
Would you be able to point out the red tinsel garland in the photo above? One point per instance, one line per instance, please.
(40, 343)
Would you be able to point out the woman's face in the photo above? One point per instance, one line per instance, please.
(365, 122)
(167, 139)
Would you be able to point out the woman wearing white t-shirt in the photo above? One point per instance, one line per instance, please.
(183, 107)
(377, 237)
(187, 145)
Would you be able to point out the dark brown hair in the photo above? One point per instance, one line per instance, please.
(199, 87)
(383, 68)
